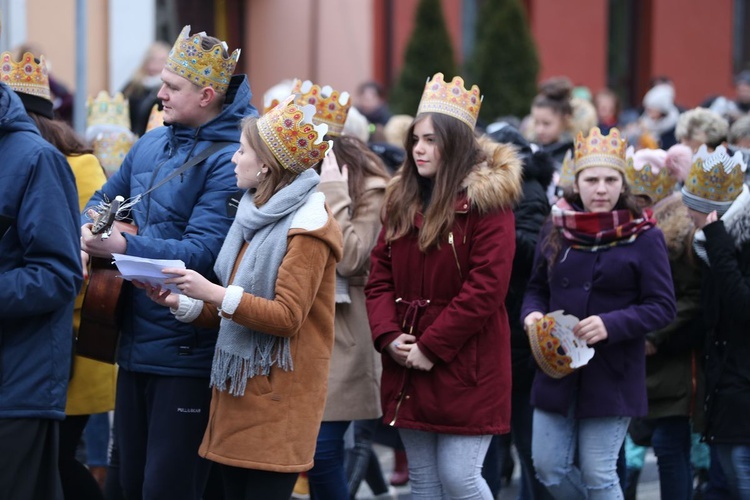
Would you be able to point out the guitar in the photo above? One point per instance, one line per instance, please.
(99, 330)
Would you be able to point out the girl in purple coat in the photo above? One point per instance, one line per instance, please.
(602, 260)
(436, 294)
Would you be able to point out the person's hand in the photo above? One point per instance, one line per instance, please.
(94, 245)
(329, 169)
(417, 360)
(195, 286)
(591, 330)
(85, 264)
(163, 297)
(712, 217)
(531, 319)
(399, 348)
(650, 348)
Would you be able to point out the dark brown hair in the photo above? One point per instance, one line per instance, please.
(61, 135)
(555, 94)
(459, 152)
(627, 201)
(277, 176)
(361, 163)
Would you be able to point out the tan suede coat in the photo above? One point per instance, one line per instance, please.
(354, 379)
(275, 424)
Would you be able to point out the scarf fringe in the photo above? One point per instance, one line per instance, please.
(238, 369)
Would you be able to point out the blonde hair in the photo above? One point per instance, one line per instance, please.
(396, 129)
(703, 122)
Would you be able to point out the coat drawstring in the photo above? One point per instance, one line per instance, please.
(412, 313)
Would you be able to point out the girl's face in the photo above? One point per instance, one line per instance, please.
(605, 107)
(248, 165)
(548, 125)
(425, 149)
(600, 188)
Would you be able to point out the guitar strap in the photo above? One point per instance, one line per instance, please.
(213, 148)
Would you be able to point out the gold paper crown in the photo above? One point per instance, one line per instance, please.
(547, 350)
(111, 148)
(651, 180)
(155, 118)
(269, 105)
(26, 76)
(715, 177)
(106, 110)
(596, 150)
(331, 106)
(205, 68)
(451, 99)
(568, 171)
(290, 134)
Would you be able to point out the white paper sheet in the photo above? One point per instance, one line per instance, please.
(147, 270)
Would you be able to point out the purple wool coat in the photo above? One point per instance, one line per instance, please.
(630, 288)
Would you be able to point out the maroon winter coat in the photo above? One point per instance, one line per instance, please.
(453, 300)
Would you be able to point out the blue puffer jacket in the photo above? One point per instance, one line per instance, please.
(184, 219)
(40, 267)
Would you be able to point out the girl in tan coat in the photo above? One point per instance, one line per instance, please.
(275, 307)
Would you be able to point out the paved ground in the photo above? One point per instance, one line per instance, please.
(648, 486)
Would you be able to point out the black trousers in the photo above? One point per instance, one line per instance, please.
(28, 460)
(251, 484)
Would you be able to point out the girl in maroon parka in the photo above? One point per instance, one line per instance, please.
(436, 297)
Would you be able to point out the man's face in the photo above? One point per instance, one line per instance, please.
(181, 100)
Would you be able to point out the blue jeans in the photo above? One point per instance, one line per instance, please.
(446, 466)
(96, 437)
(556, 442)
(735, 462)
(671, 442)
(327, 477)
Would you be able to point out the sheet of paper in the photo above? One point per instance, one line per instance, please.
(146, 270)
(579, 352)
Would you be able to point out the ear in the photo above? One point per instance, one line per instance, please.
(264, 169)
(208, 94)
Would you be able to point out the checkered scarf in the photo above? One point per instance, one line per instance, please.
(593, 231)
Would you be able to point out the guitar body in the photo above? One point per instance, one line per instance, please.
(99, 330)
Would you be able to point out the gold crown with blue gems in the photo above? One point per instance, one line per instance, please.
(289, 132)
(205, 68)
(26, 76)
(106, 110)
(715, 180)
(451, 98)
(331, 106)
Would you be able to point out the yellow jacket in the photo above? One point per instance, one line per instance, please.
(92, 388)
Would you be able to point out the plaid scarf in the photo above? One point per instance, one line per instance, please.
(593, 231)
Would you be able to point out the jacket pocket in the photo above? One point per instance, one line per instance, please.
(465, 366)
(259, 385)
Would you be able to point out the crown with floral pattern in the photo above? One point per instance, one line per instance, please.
(648, 178)
(568, 171)
(155, 118)
(111, 147)
(289, 132)
(547, 349)
(331, 106)
(714, 181)
(106, 110)
(26, 76)
(597, 150)
(451, 99)
(205, 68)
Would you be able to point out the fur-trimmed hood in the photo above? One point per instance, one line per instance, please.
(675, 222)
(496, 183)
(737, 221)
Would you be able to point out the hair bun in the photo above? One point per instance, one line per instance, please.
(558, 88)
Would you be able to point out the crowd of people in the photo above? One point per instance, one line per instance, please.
(348, 272)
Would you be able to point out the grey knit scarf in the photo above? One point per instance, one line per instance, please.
(242, 353)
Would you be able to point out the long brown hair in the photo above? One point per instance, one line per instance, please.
(61, 135)
(277, 176)
(459, 153)
(627, 201)
(361, 163)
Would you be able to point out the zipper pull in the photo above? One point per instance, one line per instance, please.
(450, 239)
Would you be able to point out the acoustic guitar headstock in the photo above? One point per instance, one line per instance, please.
(105, 216)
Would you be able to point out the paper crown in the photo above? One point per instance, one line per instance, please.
(331, 106)
(26, 76)
(714, 181)
(597, 150)
(568, 171)
(111, 148)
(155, 118)
(269, 104)
(556, 351)
(292, 137)
(106, 110)
(451, 99)
(205, 68)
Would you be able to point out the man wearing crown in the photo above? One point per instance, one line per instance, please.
(40, 273)
(719, 203)
(163, 383)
